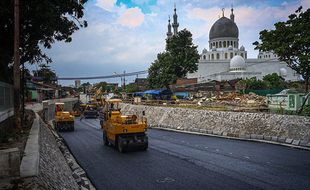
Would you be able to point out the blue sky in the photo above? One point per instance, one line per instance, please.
(128, 34)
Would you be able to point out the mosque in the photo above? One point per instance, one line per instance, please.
(225, 60)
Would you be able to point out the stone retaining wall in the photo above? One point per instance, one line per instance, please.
(54, 172)
(56, 167)
(261, 126)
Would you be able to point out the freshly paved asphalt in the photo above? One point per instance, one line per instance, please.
(185, 161)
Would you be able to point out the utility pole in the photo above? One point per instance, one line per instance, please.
(23, 95)
(124, 82)
(16, 66)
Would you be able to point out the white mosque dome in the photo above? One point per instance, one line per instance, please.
(242, 48)
(237, 64)
(204, 51)
(283, 72)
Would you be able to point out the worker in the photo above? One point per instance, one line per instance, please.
(58, 109)
(82, 113)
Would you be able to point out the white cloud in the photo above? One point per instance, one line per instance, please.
(203, 14)
(132, 17)
(107, 5)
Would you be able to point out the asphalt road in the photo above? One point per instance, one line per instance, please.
(185, 161)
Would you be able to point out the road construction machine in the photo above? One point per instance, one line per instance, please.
(64, 121)
(122, 131)
(90, 110)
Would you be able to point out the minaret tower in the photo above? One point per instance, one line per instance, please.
(169, 33)
(175, 23)
(232, 16)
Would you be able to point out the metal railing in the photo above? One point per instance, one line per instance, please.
(6, 96)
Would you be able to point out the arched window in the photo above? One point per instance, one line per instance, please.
(245, 56)
(204, 57)
(241, 54)
(234, 44)
(231, 55)
(212, 56)
(217, 45)
(217, 56)
(225, 55)
(224, 44)
(213, 44)
(220, 44)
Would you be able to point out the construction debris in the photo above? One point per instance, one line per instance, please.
(235, 101)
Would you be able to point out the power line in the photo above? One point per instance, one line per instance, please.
(104, 77)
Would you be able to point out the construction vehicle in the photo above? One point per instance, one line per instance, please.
(122, 131)
(64, 121)
(90, 110)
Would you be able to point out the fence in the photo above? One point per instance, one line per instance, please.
(6, 101)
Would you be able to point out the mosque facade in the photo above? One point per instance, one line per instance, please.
(225, 59)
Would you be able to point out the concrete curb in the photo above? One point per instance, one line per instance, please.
(30, 162)
(252, 137)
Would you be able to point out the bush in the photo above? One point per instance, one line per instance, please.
(306, 111)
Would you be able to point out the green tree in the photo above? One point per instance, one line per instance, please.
(132, 87)
(274, 80)
(180, 57)
(290, 40)
(256, 84)
(42, 22)
(83, 87)
(85, 84)
(161, 72)
(102, 85)
(45, 74)
(252, 83)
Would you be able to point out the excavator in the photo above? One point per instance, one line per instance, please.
(122, 131)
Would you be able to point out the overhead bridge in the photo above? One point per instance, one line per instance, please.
(104, 77)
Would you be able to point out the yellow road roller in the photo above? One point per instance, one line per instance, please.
(64, 121)
(122, 131)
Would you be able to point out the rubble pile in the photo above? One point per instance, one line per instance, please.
(234, 99)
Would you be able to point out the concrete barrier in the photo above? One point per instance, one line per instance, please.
(49, 106)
